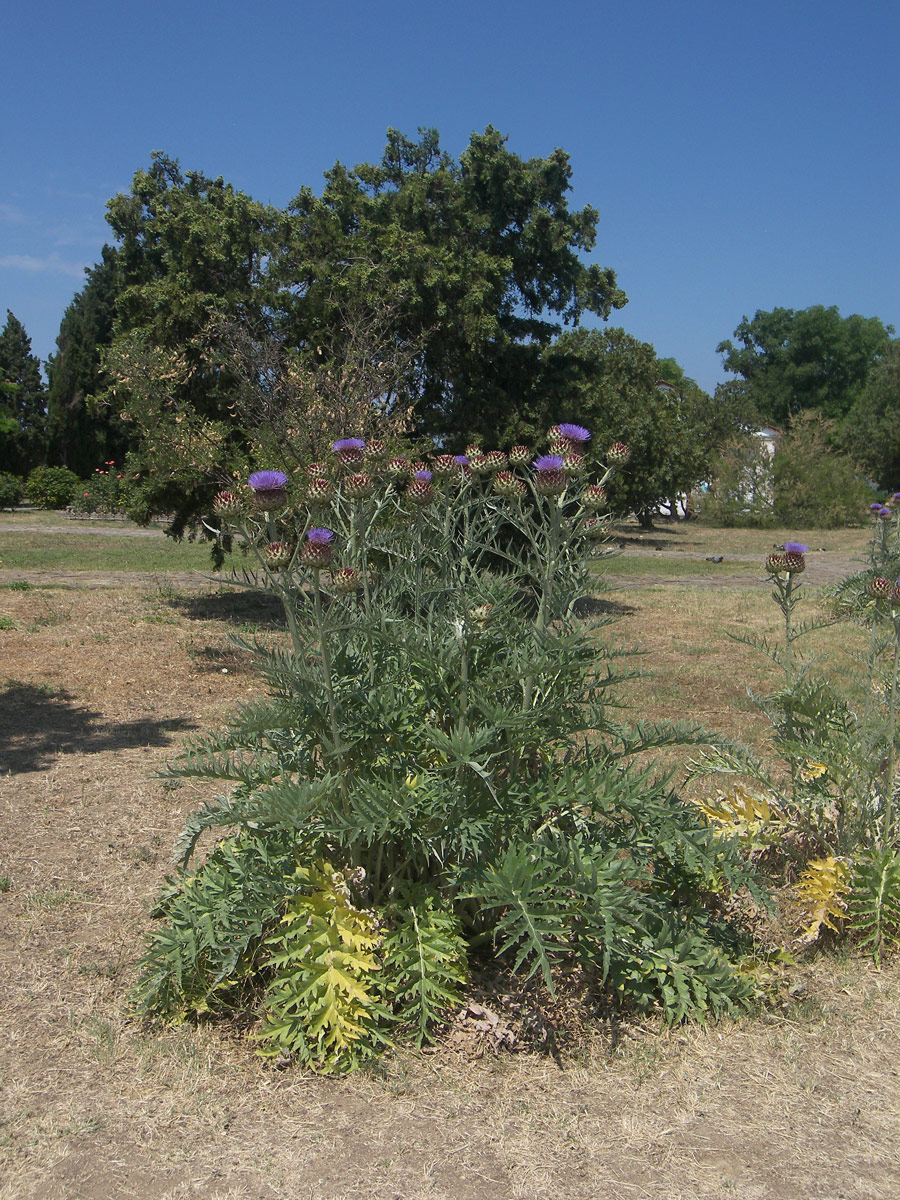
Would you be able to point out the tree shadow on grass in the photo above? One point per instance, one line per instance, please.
(245, 607)
(38, 725)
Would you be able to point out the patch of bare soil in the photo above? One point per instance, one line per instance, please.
(99, 688)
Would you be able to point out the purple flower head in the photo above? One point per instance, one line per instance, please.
(461, 460)
(548, 462)
(876, 507)
(268, 481)
(795, 548)
(348, 444)
(896, 496)
(320, 537)
(425, 476)
(575, 433)
(884, 512)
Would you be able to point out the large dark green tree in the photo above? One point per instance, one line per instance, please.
(192, 251)
(808, 359)
(481, 258)
(22, 401)
(81, 433)
(872, 428)
(614, 384)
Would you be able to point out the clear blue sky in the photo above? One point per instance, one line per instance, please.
(741, 155)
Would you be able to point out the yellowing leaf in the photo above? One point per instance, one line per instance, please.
(823, 889)
(740, 814)
(812, 770)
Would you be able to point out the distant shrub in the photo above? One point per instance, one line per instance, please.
(814, 483)
(106, 491)
(741, 490)
(11, 488)
(808, 483)
(51, 487)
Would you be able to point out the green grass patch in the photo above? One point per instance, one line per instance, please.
(26, 551)
(696, 538)
(667, 567)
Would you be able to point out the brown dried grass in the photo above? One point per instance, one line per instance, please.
(95, 1105)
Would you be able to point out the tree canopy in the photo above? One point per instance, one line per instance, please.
(812, 358)
(22, 412)
(613, 384)
(477, 261)
(872, 429)
(81, 434)
(191, 251)
(482, 257)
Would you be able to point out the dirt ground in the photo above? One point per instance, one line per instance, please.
(100, 685)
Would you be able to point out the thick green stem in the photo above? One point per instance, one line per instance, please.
(887, 823)
(325, 659)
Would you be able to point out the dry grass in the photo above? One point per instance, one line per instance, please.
(95, 1105)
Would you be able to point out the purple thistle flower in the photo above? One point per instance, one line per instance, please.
(348, 444)
(268, 481)
(424, 476)
(876, 507)
(575, 433)
(548, 462)
(896, 496)
(795, 548)
(461, 460)
(884, 513)
(320, 537)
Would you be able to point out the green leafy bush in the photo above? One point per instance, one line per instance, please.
(51, 487)
(12, 488)
(838, 783)
(107, 491)
(439, 771)
(815, 483)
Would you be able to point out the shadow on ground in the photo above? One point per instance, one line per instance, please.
(37, 726)
(234, 608)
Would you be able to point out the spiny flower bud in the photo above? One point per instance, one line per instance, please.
(593, 497)
(794, 561)
(480, 464)
(496, 460)
(880, 587)
(227, 504)
(519, 456)
(277, 555)
(549, 483)
(317, 551)
(420, 492)
(557, 444)
(320, 491)
(573, 464)
(509, 485)
(397, 468)
(269, 489)
(375, 450)
(775, 564)
(549, 478)
(481, 615)
(346, 580)
(473, 451)
(618, 453)
(349, 451)
(895, 593)
(359, 486)
(593, 528)
(444, 465)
